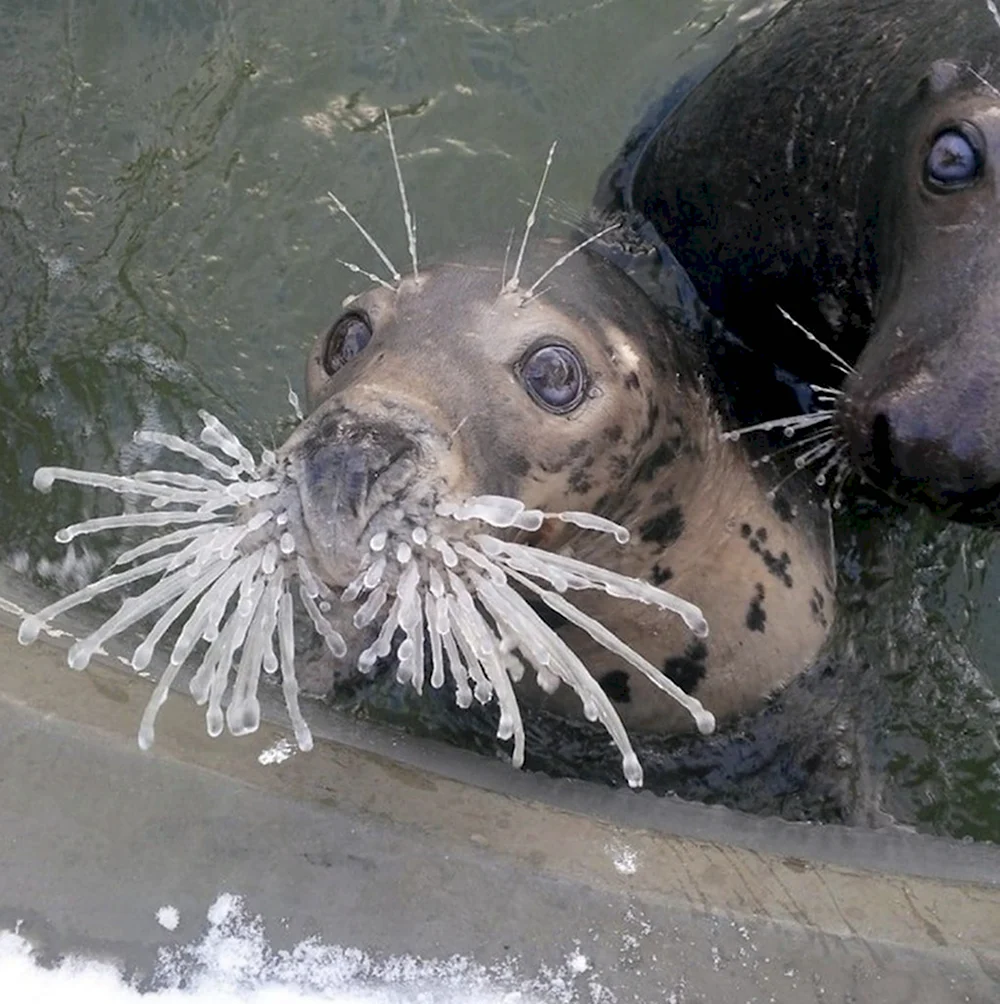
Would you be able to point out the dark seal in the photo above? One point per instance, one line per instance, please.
(841, 164)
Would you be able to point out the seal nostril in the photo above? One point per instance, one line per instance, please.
(881, 440)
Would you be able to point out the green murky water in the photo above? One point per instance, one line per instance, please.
(166, 244)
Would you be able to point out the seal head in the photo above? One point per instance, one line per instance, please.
(579, 397)
(861, 198)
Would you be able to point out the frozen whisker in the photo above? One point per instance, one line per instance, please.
(411, 227)
(170, 442)
(817, 437)
(831, 391)
(562, 259)
(226, 603)
(791, 424)
(370, 276)
(293, 401)
(840, 363)
(506, 259)
(838, 459)
(512, 284)
(441, 598)
(393, 271)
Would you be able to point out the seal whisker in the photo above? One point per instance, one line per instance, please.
(563, 258)
(842, 364)
(370, 276)
(411, 226)
(393, 271)
(816, 437)
(791, 424)
(838, 459)
(506, 259)
(512, 285)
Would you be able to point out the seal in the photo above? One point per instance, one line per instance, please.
(583, 398)
(489, 479)
(840, 166)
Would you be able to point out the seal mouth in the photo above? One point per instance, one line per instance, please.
(226, 564)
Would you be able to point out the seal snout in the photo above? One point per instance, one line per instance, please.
(345, 471)
(353, 472)
(919, 445)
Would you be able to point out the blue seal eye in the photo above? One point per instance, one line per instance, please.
(348, 336)
(554, 377)
(953, 161)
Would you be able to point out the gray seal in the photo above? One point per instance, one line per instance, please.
(841, 164)
(579, 396)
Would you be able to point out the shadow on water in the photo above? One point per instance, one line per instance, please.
(165, 245)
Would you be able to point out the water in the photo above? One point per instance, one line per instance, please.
(166, 245)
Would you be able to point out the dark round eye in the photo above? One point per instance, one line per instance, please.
(953, 161)
(554, 376)
(346, 339)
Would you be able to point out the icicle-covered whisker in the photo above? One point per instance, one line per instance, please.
(582, 575)
(840, 363)
(553, 660)
(822, 436)
(411, 227)
(370, 276)
(190, 450)
(529, 294)
(791, 424)
(703, 719)
(372, 243)
(220, 561)
(513, 282)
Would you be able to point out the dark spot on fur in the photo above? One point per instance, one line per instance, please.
(613, 434)
(548, 616)
(620, 465)
(615, 684)
(783, 508)
(817, 603)
(745, 530)
(756, 615)
(632, 381)
(777, 565)
(664, 454)
(762, 534)
(665, 528)
(518, 465)
(579, 480)
(578, 449)
(660, 575)
(687, 670)
(602, 505)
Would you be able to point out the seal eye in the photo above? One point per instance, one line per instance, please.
(953, 162)
(348, 336)
(554, 377)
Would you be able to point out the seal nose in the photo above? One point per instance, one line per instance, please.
(944, 465)
(344, 471)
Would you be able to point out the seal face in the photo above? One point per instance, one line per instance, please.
(580, 397)
(861, 197)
